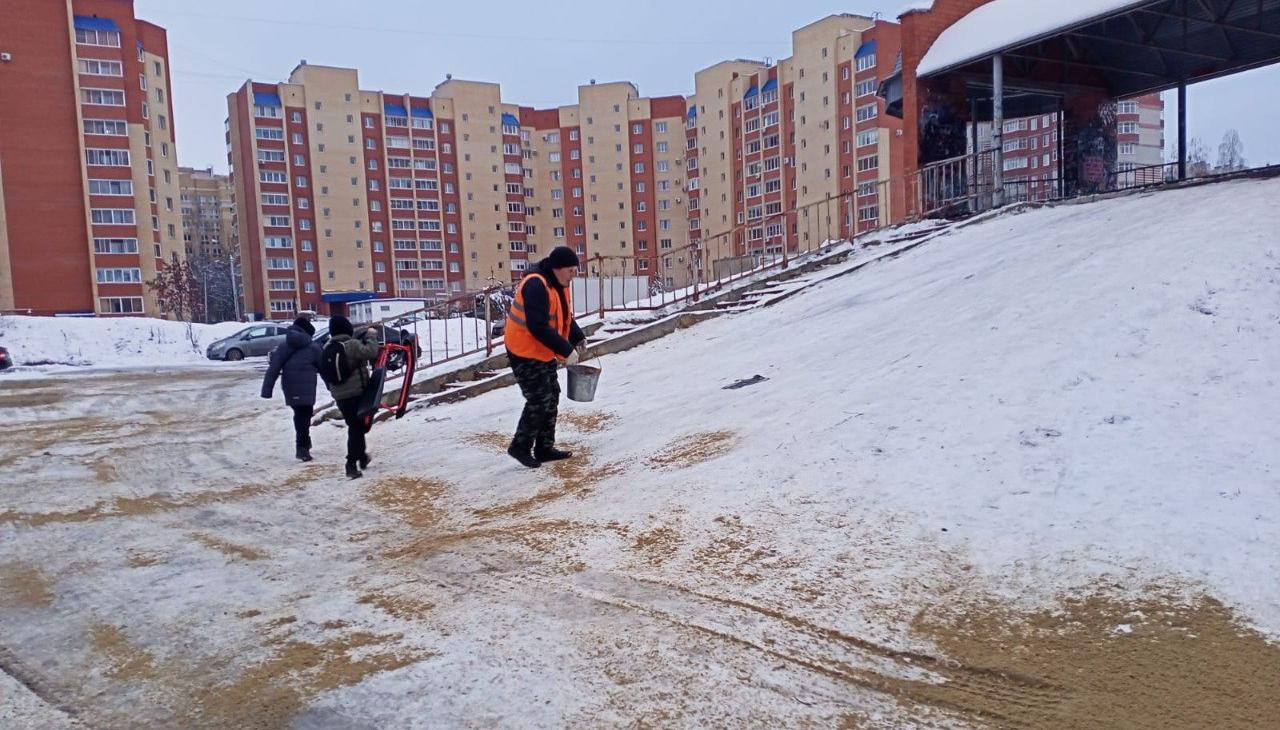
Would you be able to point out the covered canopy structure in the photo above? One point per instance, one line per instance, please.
(1012, 58)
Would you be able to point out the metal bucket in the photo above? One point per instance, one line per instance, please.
(583, 380)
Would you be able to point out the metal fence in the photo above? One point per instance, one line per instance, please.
(452, 329)
(687, 273)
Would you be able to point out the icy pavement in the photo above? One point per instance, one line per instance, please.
(968, 466)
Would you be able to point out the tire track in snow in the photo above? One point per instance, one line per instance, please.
(972, 692)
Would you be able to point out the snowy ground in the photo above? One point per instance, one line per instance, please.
(1023, 475)
(56, 344)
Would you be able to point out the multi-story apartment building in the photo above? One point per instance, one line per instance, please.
(208, 213)
(610, 170)
(349, 194)
(88, 162)
(787, 154)
(1032, 147)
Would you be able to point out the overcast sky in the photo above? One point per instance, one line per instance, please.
(541, 51)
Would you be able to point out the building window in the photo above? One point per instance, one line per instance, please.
(866, 62)
(111, 187)
(108, 38)
(1127, 128)
(866, 88)
(867, 112)
(113, 216)
(120, 276)
(102, 97)
(95, 67)
(869, 137)
(120, 305)
(266, 112)
(870, 162)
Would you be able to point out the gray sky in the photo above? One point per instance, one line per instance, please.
(540, 52)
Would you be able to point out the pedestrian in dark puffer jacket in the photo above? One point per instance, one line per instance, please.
(296, 363)
(360, 352)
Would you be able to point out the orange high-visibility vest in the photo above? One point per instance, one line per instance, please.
(520, 341)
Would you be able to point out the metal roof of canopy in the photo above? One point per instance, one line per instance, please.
(1131, 48)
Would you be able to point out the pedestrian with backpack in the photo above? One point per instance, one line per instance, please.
(344, 365)
(540, 336)
(296, 363)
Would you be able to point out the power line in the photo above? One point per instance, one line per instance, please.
(472, 36)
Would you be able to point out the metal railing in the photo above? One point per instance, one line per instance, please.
(687, 273)
(954, 186)
(452, 329)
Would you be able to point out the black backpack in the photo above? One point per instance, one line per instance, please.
(335, 368)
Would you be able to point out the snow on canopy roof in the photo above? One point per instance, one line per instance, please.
(922, 6)
(1004, 24)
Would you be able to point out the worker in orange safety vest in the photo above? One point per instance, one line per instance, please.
(541, 335)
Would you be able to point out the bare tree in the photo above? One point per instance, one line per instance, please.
(1230, 153)
(176, 290)
(1197, 158)
(217, 285)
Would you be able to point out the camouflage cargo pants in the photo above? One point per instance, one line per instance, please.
(541, 389)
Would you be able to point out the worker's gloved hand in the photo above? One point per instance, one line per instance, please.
(573, 358)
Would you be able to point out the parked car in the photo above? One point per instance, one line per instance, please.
(385, 334)
(252, 341)
(5, 360)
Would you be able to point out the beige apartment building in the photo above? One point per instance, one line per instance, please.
(208, 213)
(349, 194)
(789, 153)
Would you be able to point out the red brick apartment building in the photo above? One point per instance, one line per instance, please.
(89, 190)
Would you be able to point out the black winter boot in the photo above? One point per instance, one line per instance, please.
(522, 455)
(551, 453)
(352, 471)
(304, 454)
(365, 460)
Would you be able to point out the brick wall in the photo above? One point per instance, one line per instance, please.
(919, 30)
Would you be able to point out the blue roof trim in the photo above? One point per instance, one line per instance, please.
(266, 98)
(693, 112)
(770, 85)
(751, 92)
(394, 110)
(347, 297)
(421, 111)
(866, 49)
(89, 22)
(510, 120)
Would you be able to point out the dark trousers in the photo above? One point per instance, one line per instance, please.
(541, 389)
(302, 426)
(357, 427)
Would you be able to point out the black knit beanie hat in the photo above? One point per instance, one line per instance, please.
(305, 325)
(340, 325)
(562, 257)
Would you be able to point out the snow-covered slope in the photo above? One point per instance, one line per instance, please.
(1062, 391)
(109, 342)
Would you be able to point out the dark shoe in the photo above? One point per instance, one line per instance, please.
(304, 454)
(352, 471)
(523, 456)
(364, 461)
(551, 453)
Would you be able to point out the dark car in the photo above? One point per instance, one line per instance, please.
(5, 360)
(385, 334)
